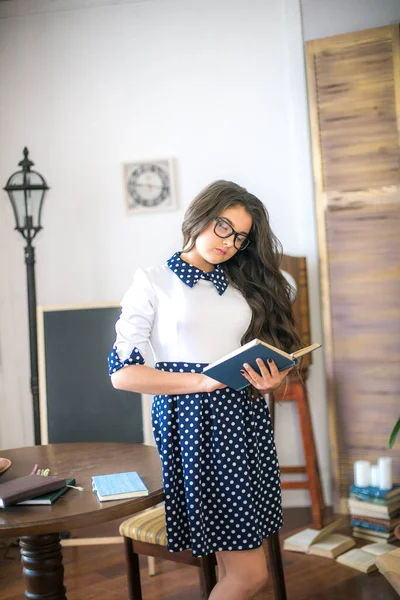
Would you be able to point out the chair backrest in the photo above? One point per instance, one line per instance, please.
(296, 266)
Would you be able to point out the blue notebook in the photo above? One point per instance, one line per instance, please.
(118, 486)
(227, 369)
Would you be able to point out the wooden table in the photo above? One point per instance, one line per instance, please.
(38, 527)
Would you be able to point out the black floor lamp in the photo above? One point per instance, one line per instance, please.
(26, 190)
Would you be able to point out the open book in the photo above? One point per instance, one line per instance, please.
(363, 559)
(320, 542)
(388, 565)
(227, 369)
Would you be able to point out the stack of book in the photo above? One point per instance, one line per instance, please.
(22, 490)
(374, 513)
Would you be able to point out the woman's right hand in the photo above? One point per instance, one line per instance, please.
(210, 385)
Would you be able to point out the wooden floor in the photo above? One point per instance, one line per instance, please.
(98, 573)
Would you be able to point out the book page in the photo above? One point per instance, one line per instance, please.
(329, 528)
(332, 548)
(306, 350)
(332, 541)
(358, 559)
(378, 548)
(301, 540)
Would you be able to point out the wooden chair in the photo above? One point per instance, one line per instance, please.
(296, 391)
(145, 534)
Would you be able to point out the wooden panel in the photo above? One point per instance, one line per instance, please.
(354, 99)
(364, 259)
(357, 116)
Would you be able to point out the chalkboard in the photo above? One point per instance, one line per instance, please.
(77, 400)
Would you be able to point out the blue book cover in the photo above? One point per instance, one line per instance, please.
(118, 486)
(227, 369)
(369, 499)
(374, 492)
(370, 526)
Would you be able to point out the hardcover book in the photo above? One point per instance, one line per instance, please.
(321, 543)
(374, 537)
(388, 565)
(374, 492)
(28, 486)
(378, 548)
(374, 499)
(50, 498)
(118, 486)
(227, 369)
(379, 527)
(367, 509)
(387, 524)
(363, 559)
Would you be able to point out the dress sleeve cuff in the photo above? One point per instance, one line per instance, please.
(115, 363)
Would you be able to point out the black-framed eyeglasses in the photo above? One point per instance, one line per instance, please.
(223, 229)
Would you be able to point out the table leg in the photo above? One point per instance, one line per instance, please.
(42, 567)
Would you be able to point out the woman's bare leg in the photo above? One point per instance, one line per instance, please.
(245, 573)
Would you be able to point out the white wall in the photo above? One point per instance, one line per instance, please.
(217, 84)
(323, 18)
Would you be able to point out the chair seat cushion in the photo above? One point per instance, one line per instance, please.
(147, 526)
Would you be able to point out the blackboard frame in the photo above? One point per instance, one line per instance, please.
(47, 325)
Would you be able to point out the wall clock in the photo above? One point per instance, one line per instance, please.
(149, 186)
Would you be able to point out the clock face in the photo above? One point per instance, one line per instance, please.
(148, 185)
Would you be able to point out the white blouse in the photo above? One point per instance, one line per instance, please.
(198, 324)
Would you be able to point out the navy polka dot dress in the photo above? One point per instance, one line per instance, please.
(220, 469)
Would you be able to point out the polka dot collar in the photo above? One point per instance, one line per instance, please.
(191, 275)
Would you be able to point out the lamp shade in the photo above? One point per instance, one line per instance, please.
(26, 190)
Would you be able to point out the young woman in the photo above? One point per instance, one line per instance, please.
(220, 470)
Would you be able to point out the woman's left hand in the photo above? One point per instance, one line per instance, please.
(270, 378)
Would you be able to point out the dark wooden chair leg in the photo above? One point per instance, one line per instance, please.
(310, 452)
(296, 392)
(208, 577)
(132, 562)
(275, 561)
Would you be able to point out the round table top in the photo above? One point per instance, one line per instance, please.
(79, 509)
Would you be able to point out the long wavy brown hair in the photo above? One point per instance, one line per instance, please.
(254, 271)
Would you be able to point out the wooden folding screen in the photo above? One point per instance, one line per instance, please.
(354, 99)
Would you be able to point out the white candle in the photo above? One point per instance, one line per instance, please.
(362, 473)
(385, 473)
(374, 475)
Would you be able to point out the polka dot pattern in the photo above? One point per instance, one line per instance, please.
(220, 469)
(191, 275)
(115, 363)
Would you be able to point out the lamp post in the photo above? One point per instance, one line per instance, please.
(26, 190)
